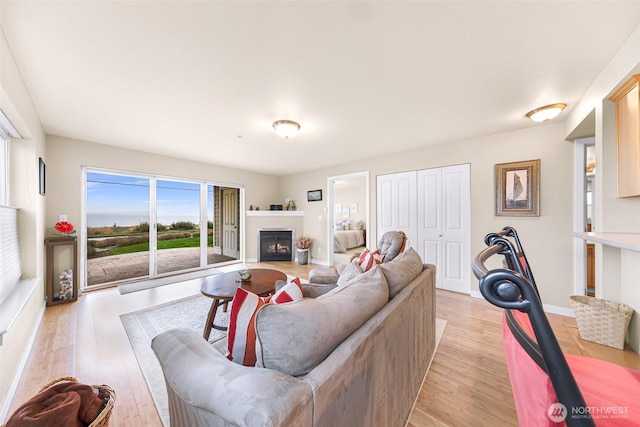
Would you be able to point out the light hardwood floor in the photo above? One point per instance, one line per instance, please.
(467, 383)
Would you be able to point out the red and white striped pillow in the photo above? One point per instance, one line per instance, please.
(241, 334)
(368, 259)
(290, 292)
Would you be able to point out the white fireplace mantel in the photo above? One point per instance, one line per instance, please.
(275, 213)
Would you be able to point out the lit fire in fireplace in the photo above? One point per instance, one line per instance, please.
(279, 249)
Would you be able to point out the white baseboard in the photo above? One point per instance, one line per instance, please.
(11, 391)
(311, 261)
(554, 309)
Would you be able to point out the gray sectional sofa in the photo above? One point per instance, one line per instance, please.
(356, 355)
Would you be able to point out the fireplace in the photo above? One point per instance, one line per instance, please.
(275, 244)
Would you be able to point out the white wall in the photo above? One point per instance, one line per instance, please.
(350, 192)
(15, 102)
(547, 239)
(617, 271)
(67, 156)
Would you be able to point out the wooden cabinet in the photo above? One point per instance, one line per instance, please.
(627, 100)
(61, 269)
(591, 269)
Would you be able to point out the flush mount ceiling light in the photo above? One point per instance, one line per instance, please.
(286, 128)
(545, 113)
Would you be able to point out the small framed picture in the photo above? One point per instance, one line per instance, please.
(345, 213)
(338, 208)
(42, 168)
(518, 188)
(314, 196)
(354, 208)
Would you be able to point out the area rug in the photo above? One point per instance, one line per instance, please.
(141, 326)
(190, 312)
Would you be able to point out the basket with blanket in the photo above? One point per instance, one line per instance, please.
(66, 402)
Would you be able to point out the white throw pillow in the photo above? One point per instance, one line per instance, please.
(351, 271)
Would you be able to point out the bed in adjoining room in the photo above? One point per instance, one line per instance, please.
(348, 235)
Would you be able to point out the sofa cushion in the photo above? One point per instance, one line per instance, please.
(402, 270)
(294, 338)
(368, 259)
(351, 271)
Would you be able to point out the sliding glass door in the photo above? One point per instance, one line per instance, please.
(178, 225)
(117, 217)
(141, 227)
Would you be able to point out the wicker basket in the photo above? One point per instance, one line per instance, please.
(104, 391)
(601, 321)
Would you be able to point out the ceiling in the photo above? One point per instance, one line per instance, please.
(205, 80)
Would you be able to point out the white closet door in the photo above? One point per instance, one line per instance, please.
(396, 205)
(456, 229)
(429, 218)
(407, 206)
(444, 227)
(385, 204)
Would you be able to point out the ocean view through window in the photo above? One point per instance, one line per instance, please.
(141, 226)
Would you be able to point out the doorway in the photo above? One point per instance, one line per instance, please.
(585, 170)
(347, 215)
(230, 239)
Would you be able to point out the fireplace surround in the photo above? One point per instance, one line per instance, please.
(275, 244)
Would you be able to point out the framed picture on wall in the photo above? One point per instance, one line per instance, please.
(314, 196)
(354, 208)
(518, 188)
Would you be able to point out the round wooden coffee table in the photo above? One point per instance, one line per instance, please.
(222, 288)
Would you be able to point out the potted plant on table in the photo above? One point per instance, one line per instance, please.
(302, 245)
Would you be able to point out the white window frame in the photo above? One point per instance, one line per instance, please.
(6, 131)
(153, 218)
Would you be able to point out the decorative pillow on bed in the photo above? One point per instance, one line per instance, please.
(355, 225)
(241, 335)
(368, 259)
(350, 271)
(337, 225)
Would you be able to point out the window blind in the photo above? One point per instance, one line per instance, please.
(10, 264)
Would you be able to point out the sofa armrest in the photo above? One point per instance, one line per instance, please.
(199, 379)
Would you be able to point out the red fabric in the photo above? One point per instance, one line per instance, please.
(65, 404)
(531, 386)
(523, 263)
(612, 392)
